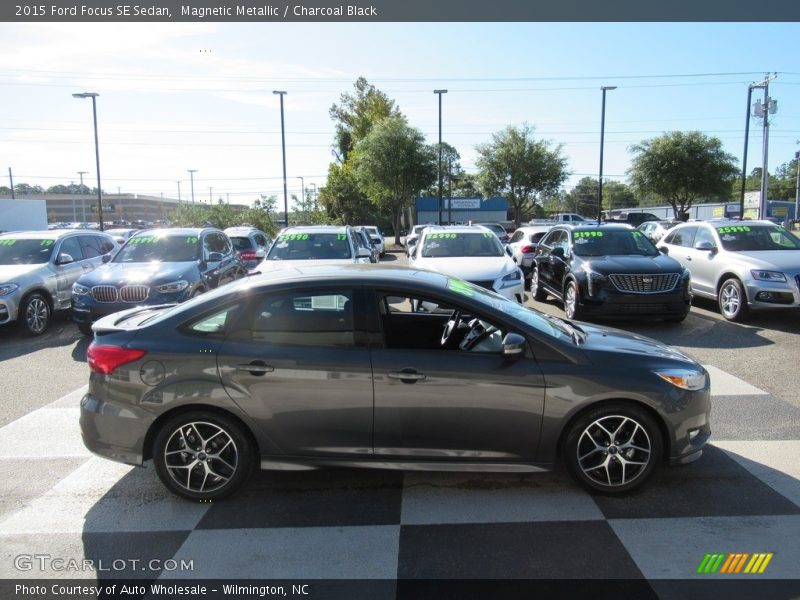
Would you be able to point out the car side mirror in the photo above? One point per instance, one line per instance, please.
(64, 259)
(106, 258)
(707, 246)
(363, 253)
(513, 345)
(558, 252)
(215, 257)
(663, 249)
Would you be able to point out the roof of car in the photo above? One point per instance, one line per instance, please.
(460, 229)
(316, 228)
(242, 230)
(728, 222)
(595, 225)
(49, 234)
(344, 273)
(178, 230)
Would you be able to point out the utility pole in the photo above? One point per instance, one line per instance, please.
(74, 215)
(179, 192)
(210, 200)
(83, 204)
(11, 179)
(283, 148)
(744, 155)
(797, 186)
(604, 88)
(191, 177)
(440, 92)
(450, 191)
(769, 107)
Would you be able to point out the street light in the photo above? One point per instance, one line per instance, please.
(283, 148)
(440, 92)
(93, 96)
(605, 88)
(83, 204)
(191, 177)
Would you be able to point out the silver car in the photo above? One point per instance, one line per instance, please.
(523, 246)
(38, 268)
(743, 265)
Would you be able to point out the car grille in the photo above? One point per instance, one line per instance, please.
(484, 284)
(645, 284)
(105, 293)
(134, 293)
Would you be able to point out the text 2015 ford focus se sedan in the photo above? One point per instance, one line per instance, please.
(332, 366)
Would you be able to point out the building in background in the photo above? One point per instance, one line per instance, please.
(464, 210)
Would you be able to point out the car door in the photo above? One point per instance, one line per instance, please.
(296, 363)
(68, 273)
(551, 266)
(217, 272)
(704, 263)
(442, 404)
(679, 242)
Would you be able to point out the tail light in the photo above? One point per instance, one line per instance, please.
(248, 255)
(528, 249)
(106, 359)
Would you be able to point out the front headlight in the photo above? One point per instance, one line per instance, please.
(686, 379)
(7, 288)
(511, 280)
(768, 275)
(175, 286)
(79, 290)
(594, 280)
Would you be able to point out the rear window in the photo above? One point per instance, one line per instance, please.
(308, 246)
(242, 243)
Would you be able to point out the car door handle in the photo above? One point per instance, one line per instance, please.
(256, 368)
(689, 258)
(406, 375)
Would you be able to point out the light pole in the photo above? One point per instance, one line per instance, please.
(191, 178)
(605, 88)
(797, 186)
(283, 148)
(744, 156)
(302, 188)
(83, 204)
(179, 192)
(93, 96)
(439, 93)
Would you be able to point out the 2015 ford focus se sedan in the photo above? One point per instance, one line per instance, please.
(384, 367)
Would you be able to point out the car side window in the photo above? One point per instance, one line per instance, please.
(90, 247)
(704, 235)
(260, 240)
(316, 318)
(214, 242)
(516, 237)
(72, 247)
(683, 237)
(105, 243)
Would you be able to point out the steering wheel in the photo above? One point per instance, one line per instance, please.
(450, 327)
(477, 333)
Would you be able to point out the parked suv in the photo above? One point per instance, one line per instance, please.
(38, 268)
(251, 244)
(330, 244)
(609, 270)
(743, 265)
(158, 266)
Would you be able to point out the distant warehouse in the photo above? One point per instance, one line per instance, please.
(463, 210)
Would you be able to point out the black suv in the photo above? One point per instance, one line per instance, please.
(609, 270)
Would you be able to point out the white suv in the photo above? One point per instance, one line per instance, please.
(472, 253)
(323, 244)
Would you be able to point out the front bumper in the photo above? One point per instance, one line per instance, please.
(610, 302)
(9, 306)
(763, 295)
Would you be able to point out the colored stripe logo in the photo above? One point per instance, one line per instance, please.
(735, 563)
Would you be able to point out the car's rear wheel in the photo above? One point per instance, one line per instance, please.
(85, 328)
(732, 300)
(537, 291)
(572, 303)
(35, 314)
(201, 455)
(613, 449)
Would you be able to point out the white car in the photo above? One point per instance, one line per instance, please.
(471, 253)
(523, 244)
(322, 244)
(376, 237)
(413, 237)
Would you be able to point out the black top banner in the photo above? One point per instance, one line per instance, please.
(398, 10)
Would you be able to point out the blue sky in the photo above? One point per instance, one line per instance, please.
(199, 96)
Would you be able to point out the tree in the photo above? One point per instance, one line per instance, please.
(682, 167)
(451, 169)
(356, 115)
(25, 189)
(521, 168)
(618, 195)
(342, 197)
(582, 199)
(392, 165)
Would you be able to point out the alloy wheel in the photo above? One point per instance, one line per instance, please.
(37, 314)
(613, 451)
(201, 457)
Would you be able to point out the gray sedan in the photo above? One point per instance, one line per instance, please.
(383, 367)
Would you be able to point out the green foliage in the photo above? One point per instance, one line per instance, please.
(392, 164)
(452, 172)
(356, 115)
(222, 215)
(522, 169)
(681, 168)
(342, 198)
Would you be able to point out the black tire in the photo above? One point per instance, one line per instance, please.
(213, 476)
(602, 466)
(196, 293)
(732, 300)
(34, 314)
(85, 329)
(537, 291)
(572, 301)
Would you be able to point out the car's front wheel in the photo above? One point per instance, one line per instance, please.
(202, 455)
(537, 291)
(732, 300)
(613, 449)
(572, 302)
(35, 313)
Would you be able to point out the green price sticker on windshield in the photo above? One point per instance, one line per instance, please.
(460, 287)
(587, 234)
(341, 236)
(292, 237)
(7, 242)
(191, 240)
(734, 229)
(442, 236)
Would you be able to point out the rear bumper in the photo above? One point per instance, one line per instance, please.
(114, 431)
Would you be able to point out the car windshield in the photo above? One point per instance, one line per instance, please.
(745, 238)
(159, 247)
(306, 246)
(15, 251)
(612, 242)
(498, 229)
(438, 245)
